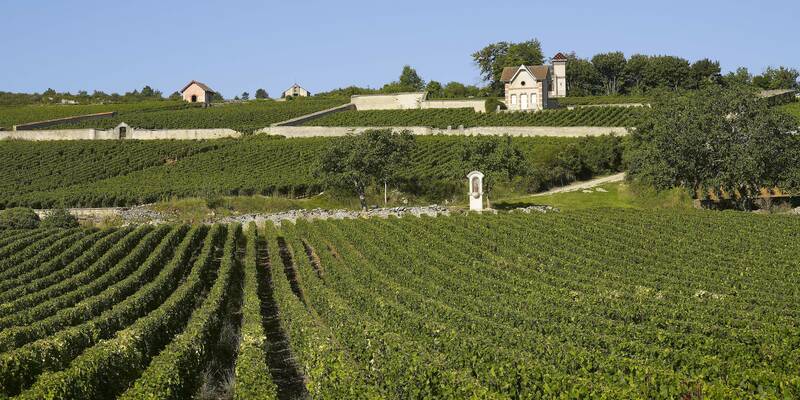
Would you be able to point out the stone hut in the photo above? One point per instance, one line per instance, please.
(197, 92)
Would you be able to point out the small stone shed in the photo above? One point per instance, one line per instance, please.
(197, 92)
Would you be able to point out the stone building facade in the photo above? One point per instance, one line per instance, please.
(529, 88)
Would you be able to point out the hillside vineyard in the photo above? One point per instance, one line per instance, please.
(110, 173)
(602, 303)
(442, 118)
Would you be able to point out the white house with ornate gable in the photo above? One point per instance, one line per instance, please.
(528, 88)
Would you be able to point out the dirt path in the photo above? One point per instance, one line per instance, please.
(584, 185)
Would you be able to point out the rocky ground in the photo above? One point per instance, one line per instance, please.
(145, 215)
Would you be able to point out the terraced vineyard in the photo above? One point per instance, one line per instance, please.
(600, 303)
(442, 118)
(15, 115)
(98, 174)
(245, 117)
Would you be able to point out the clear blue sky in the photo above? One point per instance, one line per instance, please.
(233, 46)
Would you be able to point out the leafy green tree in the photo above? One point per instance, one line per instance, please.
(495, 156)
(634, 73)
(410, 79)
(245, 96)
(175, 96)
(434, 89)
(493, 58)
(356, 162)
(611, 67)
(261, 94)
(720, 140)
(778, 78)
(59, 218)
(667, 72)
(582, 77)
(216, 96)
(454, 89)
(705, 72)
(740, 77)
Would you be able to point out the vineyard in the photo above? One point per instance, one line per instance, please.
(442, 118)
(245, 117)
(15, 115)
(600, 100)
(100, 174)
(592, 304)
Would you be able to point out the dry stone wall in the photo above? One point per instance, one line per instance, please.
(111, 134)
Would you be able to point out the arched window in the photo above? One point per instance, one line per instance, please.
(475, 185)
(194, 98)
(533, 100)
(513, 99)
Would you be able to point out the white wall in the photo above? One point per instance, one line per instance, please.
(94, 134)
(478, 105)
(397, 101)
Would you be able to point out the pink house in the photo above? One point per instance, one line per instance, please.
(197, 92)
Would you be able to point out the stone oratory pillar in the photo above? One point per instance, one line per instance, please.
(475, 187)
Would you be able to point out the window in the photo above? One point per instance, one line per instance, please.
(533, 100)
(513, 99)
(523, 100)
(522, 83)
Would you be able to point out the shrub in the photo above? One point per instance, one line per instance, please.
(60, 218)
(18, 218)
(492, 105)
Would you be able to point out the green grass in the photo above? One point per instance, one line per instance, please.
(616, 195)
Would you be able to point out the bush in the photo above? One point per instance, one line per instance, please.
(18, 218)
(493, 104)
(60, 218)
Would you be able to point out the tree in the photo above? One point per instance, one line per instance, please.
(493, 58)
(777, 78)
(410, 79)
(175, 96)
(740, 77)
(147, 91)
(216, 96)
(357, 161)
(610, 66)
(705, 72)
(495, 156)
(261, 94)
(634, 73)
(245, 96)
(434, 89)
(59, 218)
(582, 77)
(454, 90)
(720, 140)
(667, 72)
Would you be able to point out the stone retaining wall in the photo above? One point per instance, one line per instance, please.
(569, 131)
(111, 134)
